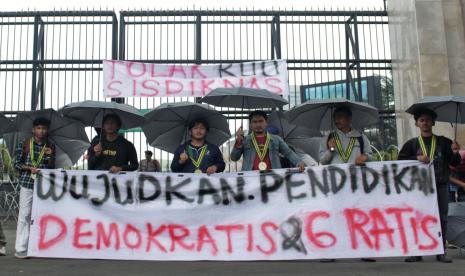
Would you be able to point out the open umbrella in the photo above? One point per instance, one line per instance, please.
(296, 136)
(319, 113)
(456, 224)
(448, 108)
(167, 125)
(68, 135)
(288, 130)
(6, 124)
(245, 98)
(309, 145)
(91, 113)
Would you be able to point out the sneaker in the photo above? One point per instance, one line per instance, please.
(21, 255)
(2, 250)
(443, 258)
(368, 260)
(414, 259)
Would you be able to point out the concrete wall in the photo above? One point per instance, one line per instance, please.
(428, 52)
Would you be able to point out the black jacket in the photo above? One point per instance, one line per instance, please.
(213, 156)
(443, 156)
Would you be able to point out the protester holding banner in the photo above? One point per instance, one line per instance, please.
(261, 149)
(31, 155)
(198, 155)
(111, 151)
(149, 164)
(427, 148)
(345, 144)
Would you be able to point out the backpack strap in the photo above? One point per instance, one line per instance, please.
(361, 143)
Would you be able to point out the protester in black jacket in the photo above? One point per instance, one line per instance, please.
(428, 148)
(111, 151)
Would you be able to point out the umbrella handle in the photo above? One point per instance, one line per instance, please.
(101, 127)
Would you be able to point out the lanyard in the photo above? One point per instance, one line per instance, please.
(200, 157)
(432, 148)
(345, 155)
(261, 152)
(35, 163)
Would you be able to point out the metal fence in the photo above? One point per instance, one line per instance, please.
(49, 59)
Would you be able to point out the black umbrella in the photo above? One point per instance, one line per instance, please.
(319, 113)
(68, 135)
(6, 124)
(91, 113)
(245, 98)
(448, 108)
(167, 125)
(299, 137)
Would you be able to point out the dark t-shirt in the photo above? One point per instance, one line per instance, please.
(261, 144)
(119, 152)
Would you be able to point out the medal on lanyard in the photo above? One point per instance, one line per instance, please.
(35, 163)
(432, 149)
(261, 152)
(345, 154)
(197, 161)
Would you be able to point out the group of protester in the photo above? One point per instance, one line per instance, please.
(260, 150)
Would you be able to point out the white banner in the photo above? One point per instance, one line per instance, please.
(383, 209)
(136, 79)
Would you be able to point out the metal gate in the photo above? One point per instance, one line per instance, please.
(49, 59)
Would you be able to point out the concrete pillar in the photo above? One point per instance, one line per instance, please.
(428, 52)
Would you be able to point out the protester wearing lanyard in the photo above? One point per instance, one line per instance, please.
(261, 149)
(197, 155)
(345, 144)
(31, 156)
(428, 148)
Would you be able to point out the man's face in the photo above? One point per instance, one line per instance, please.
(199, 131)
(342, 120)
(258, 124)
(40, 131)
(110, 126)
(425, 123)
(148, 156)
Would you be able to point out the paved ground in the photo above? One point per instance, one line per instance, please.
(388, 266)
